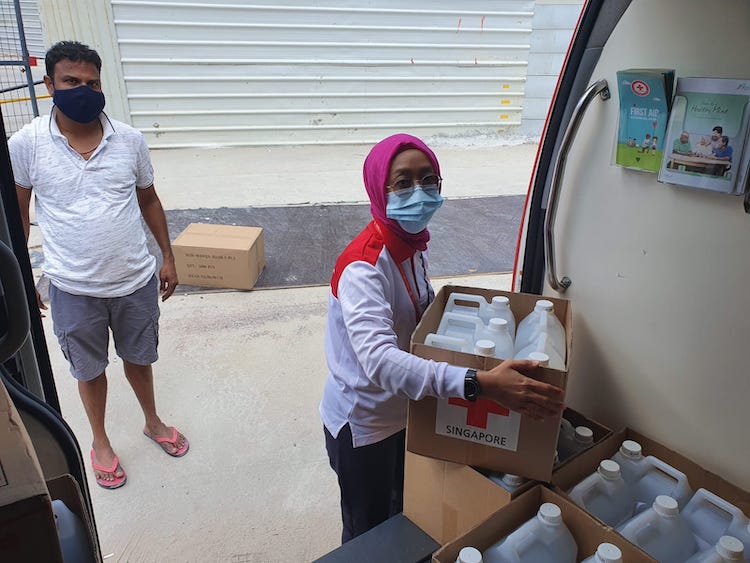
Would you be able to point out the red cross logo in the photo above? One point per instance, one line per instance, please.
(640, 88)
(477, 412)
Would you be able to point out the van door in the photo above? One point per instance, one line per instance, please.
(25, 368)
(657, 273)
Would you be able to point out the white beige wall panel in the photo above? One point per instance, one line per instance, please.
(553, 24)
(212, 73)
(32, 26)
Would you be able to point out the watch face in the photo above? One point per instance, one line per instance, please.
(471, 386)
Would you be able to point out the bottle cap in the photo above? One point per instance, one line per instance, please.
(666, 506)
(540, 357)
(513, 480)
(500, 300)
(550, 513)
(496, 323)
(631, 449)
(730, 548)
(484, 347)
(584, 435)
(544, 305)
(469, 555)
(609, 469)
(608, 553)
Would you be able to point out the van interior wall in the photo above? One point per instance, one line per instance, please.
(659, 271)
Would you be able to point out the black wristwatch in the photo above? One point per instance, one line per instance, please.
(471, 385)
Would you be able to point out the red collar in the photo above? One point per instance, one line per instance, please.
(397, 247)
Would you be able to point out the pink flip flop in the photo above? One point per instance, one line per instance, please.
(173, 440)
(115, 483)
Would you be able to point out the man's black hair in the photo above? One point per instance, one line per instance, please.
(718, 129)
(73, 51)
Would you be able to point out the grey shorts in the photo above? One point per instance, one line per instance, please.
(82, 326)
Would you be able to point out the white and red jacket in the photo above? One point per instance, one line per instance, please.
(379, 289)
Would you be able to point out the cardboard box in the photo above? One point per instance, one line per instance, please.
(27, 524)
(20, 473)
(484, 434)
(446, 499)
(586, 463)
(587, 531)
(576, 418)
(219, 255)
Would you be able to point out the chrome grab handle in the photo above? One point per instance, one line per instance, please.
(600, 89)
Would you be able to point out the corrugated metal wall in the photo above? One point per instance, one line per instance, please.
(212, 73)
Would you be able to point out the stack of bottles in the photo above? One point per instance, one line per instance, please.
(472, 324)
(544, 537)
(652, 505)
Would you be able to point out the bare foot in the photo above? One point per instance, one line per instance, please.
(103, 458)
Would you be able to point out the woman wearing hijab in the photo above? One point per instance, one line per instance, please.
(379, 290)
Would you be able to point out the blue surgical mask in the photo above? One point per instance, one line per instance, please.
(81, 104)
(413, 208)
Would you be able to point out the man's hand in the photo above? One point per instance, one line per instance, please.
(507, 385)
(41, 304)
(167, 278)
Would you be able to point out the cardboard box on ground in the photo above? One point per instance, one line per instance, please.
(484, 434)
(446, 499)
(587, 531)
(27, 523)
(225, 256)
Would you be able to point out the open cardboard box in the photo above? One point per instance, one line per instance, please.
(568, 475)
(226, 256)
(587, 531)
(446, 499)
(66, 489)
(484, 434)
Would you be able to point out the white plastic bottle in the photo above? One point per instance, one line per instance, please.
(448, 342)
(469, 555)
(542, 538)
(605, 553)
(497, 331)
(472, 304)
(741, 531)
(567, 433)
(726, 550)
(499, 307)
(459, 325)
(661, 478)
(632, 463)
(605, 495)
(711, 517)
(541, 319)
(71, 533)
(542, 344)
(583, 438)
(484, 348)
(507, 481)
(661, 532)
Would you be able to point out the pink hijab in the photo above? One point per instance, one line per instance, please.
(376, 169)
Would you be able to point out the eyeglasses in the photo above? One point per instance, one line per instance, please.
(404, 187)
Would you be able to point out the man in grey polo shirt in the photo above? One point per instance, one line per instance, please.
(93, 181)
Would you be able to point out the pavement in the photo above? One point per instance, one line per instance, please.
(241, 372)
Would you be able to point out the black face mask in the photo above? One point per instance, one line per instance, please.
(81, 104)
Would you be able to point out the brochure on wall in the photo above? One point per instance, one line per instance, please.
(645, 101)
(707, 136)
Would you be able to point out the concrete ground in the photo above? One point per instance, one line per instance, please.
(241, 374)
